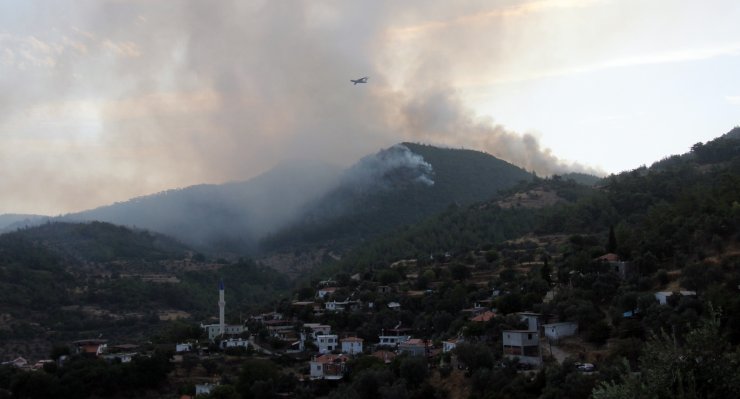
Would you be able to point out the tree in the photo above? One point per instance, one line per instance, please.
(545, 271)
(701, 367)
(599, 332)
(474, 356)
(611, 246)
(223, 392)
(459, 272)
(254, 370)
(368, 382)
(414, 370)
(510, 303)
(33, 385)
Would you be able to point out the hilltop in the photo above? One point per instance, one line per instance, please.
(101, 242)
(9, 221)
(405, 184)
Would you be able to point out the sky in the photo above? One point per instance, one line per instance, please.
(105, 100)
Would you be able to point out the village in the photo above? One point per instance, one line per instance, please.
(385, 315)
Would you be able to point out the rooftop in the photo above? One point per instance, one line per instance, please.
(484, 317)
(331, 358)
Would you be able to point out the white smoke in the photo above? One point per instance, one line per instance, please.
(396, 162)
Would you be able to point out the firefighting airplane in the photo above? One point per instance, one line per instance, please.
(360, 80)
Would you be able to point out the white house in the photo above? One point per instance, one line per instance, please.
(204, 389)
(523, 345)
(662, 296)
(327, 343)
(186, 347)
(317, 329)
(555, 331)
(351, 345)
(234, 343)
(392, 340)
(328, 367)
(532, 320)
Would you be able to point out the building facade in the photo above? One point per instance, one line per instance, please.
(351, 345)
(327, 343)
(555, 331)
(523, 345)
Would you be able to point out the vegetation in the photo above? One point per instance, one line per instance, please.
(102, 242)
(63, 281)
(358, 210)
(594, 255)
(87, 378)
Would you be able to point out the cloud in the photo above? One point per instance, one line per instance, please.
(516, 10)
(124, 49)
(666, 57)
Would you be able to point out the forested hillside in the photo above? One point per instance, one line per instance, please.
(101, 242)
(600, 257)
(361, 208)
(66, 281)
(678, 210)
(223, 218)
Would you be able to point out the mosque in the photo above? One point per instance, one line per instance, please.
(221, 330)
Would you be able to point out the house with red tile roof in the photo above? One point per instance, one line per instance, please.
(483, 317)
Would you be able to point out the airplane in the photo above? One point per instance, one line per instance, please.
(360, 80)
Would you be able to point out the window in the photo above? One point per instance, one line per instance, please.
(529, 336)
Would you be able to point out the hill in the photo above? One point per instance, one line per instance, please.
(67, 281)
(226, 218)
(397, 186)
(10, 222)
(102, 242)
(677, 211)
(647, 265)
(310, 205)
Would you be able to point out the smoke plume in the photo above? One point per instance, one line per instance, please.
(394, 163)
(126, 98)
